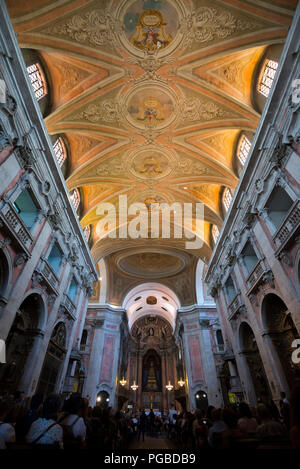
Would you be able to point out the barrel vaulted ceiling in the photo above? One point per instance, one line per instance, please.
(107, 68)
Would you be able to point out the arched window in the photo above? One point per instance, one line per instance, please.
(73, 288)
(215, 233)
(87, 232)
(83, 340)
(267, 76)
(243, 149)
(75, 199)
(27, 208)
(60, 151)
(227, 198)
(38, 81)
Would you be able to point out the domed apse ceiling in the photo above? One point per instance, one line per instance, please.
(151, 97)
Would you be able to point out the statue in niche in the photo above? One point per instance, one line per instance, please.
(151, 372)
(151, 332)
(151, 381)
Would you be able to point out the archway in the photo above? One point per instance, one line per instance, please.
(20, 342)
(256, 368)
(280, 327)
(102, 399)
(53, 360)
(201, 400)
(151, 299)
(4, 270)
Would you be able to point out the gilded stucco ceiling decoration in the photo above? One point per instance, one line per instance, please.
(151, 96)
(151, 264)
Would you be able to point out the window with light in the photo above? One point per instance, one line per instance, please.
(215, 233)
(75, 199)
(60, 151)
(243, 149)
(37, 80)
(87, 232)
(227, 198)
(267, 77)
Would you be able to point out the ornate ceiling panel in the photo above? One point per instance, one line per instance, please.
(151, 96)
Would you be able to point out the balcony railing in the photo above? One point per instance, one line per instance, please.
(234, 305)
(289, 225)
(49, 275)
(69, 306)
(16, 226)
(84, 348)
(220, 348)
(255, 275)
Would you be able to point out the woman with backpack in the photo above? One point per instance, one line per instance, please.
(74, 427)
(45, 432)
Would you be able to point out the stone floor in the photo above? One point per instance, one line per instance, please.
(157, 442)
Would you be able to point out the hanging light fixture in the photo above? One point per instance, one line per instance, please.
(169, 386)
(123, 381)
(134, 386)
(181, 382)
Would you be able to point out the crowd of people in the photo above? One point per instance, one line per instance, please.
(71, 423)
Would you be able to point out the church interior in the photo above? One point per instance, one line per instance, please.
(150, 222)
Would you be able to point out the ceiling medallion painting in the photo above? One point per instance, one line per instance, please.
(151, 163)
(150, 25)
(150, 107)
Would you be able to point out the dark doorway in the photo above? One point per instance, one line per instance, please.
(20, 341)
(53, 360)
(256, 368)
(282, 330)
(201, 400)
(103, 399)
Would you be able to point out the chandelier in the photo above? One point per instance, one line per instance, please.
(134, 386)
(181, 382)
(123, 381)
(169, 386)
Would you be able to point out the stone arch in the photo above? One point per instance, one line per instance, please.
(297, 273)
(21, 341)
(136, 305)
(251, 353)
(54, 358)
(281, 330)
(6, 272)
(44, 309)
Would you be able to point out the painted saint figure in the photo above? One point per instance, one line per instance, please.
(150, 32)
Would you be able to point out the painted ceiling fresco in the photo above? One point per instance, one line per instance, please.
(151, 96)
